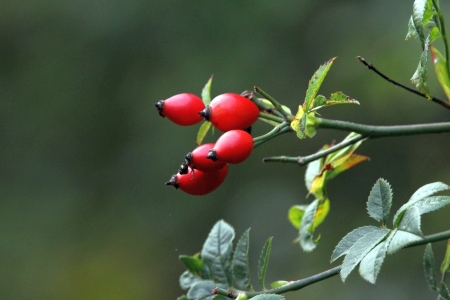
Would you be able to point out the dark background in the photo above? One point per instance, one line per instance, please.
(84, 212)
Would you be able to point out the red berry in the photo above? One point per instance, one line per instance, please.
(233, 147)
(231, 111)
(197, 182)
(197, 160)
(181, 109)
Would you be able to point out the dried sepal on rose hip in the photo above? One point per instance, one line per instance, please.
(197, 160)
(231, 111)
(232, 147)
(182, 109)
(197, 182)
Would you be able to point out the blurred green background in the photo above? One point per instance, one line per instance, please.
(84, 212)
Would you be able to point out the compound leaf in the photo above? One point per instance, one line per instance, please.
(411, 221)
(360, 249)
(401, 239)
(350, 239)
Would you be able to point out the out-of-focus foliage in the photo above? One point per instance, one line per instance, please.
(84, 212)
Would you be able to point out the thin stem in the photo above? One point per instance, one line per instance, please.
(372, 131)
(272, 100)
(307, 159)
(271, 117)
(444, 36)
(434, 99)
(299, 284)
(266, 107)
(277, 130)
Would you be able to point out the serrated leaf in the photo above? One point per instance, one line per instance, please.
(420, 194)
(445, 266)
(202, 131)
(360, 249)
(419, 8)
(412, 30)
(298, 124)
(268, 297)
(419, 78)
(318, 102)
(443, 291)
(217, 251)
(429, 267)
(263, 262)
(380, 201)
(193, 263)
(349, 240)
(440, 67)
(315, 82)
(279, 283)
(340, 98)
(187, 279)
(241, 270)
(411, 221)
(307, 243)
(370, 265)
(430, 204)
(206, 91)
(201, 290)
(401, 239)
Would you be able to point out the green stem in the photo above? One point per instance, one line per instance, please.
(299, 284)
(372, 131)
(444, 36)
(271, 117)
(274, 102)
(266, 107)
(307, 159)
(277, 130)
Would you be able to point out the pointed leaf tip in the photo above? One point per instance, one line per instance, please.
(380, 201)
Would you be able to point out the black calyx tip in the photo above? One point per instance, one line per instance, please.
(212, 155)
(160, 106)
(173, 181)
(188, 158)
(248, 129)
(206, 113)
(184, 168)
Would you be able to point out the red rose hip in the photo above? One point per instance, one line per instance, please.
(197, 160)
(197, 182)
(182, 109)
(231, 111)
(233, 147)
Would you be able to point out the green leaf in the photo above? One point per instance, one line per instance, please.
(445, 266)
(429, 268)
(241, 270)
(312, 170)
(430, 204)
(349, 240)
(201, 290)
(286, 109)
(318, 102)
(202, 131)
(295, 215)
(401, 239)
(279, 283)
(206, 91)
(241, 296)
(298, 124)
(340, 98)
(187, 279)
(360, 249)
(370, 265)
(263, 262)
(420, 194)
(412, 30)
(418, 18)
(380, 201)
(443, 291)
(268, 297)
(411, 221)
(440, 67)
(307, 228)
(183, 298)
(315, 82)
(419, 78)
(217, 251)
(193, 263)
(343, 165)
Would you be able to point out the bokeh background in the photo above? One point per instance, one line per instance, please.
(84, 212)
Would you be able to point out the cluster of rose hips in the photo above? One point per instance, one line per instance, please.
(205, 168)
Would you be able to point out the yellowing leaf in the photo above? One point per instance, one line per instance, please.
(321, 212)
(299, 123)
(440, 67)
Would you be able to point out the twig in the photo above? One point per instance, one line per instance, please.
(434, 99)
